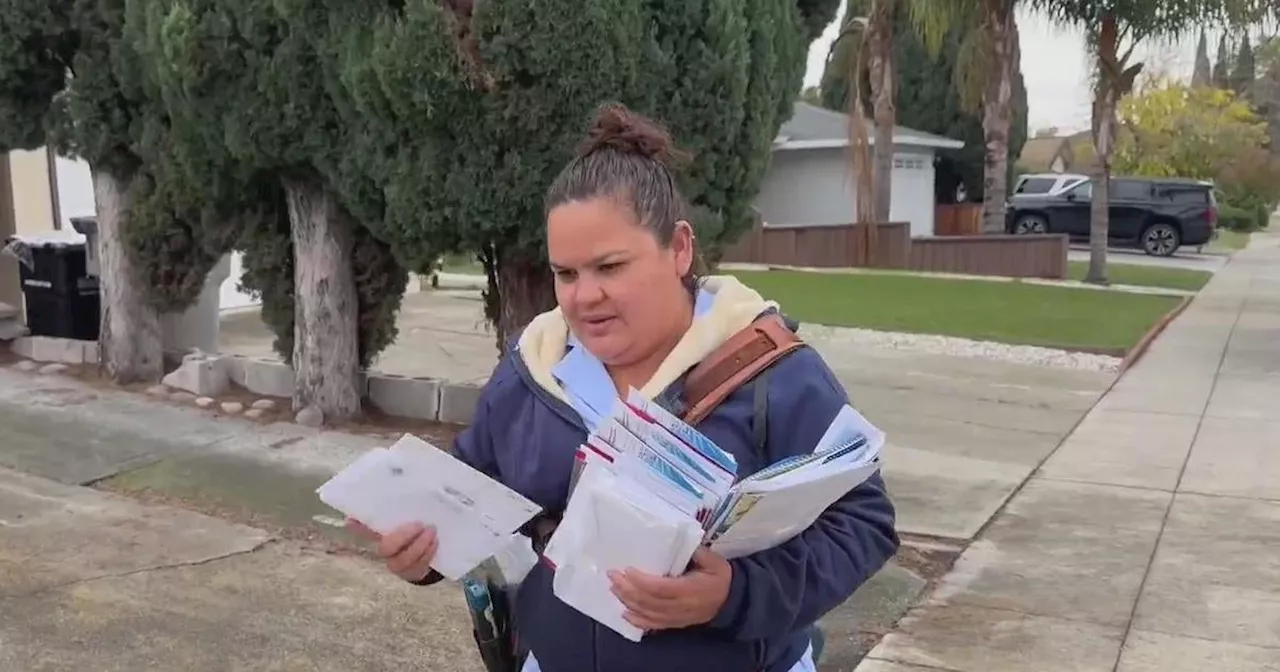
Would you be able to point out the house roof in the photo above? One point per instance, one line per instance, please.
(1038, 153)
(813, 127)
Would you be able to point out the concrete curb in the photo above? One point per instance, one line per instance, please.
(1148, 338)
(46, 349)
(399, 396)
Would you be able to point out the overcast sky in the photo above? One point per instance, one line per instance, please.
(1056, 69)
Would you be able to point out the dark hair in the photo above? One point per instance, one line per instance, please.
(631, 158)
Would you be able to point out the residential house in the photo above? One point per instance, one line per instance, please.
(1051, 154)
(1055, 153)
(39, 192)
(810, 179)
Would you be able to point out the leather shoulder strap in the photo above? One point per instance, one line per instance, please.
(735, 363)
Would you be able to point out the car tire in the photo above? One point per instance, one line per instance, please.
(1161, 239)
(1030, 224)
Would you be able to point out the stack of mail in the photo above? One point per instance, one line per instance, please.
(648, 490)
(476, 518)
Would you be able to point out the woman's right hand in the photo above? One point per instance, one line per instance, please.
(408, 550)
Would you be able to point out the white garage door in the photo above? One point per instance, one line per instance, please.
(912, 199)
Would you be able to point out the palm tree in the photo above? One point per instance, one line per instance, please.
(868, 41)
(984, 79)
(1114, 30)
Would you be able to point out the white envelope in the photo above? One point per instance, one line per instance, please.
(612, 523)
(416, 482)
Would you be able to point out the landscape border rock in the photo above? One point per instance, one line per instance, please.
(202, 374)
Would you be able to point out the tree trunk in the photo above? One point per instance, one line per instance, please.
(520, 288)
(1002, 36)
(326, 361)
(883, 92)
(1106, 98)
(130, 345)
(1099, 226)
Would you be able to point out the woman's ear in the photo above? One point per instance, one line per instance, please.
(683, 247)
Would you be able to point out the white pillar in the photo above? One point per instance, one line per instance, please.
(197, 327)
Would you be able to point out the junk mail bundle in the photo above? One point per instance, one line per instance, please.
(648, 489)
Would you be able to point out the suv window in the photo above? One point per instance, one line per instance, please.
(1036, 185)
(1187, 195)
(1130, 190)
(1082, 191)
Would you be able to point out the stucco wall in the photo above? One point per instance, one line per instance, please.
(811, 187)
(32, 193)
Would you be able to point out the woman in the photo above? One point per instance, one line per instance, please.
(633, 314)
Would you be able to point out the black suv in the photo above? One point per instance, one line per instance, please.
(1159, 215)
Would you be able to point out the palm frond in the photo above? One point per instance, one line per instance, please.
(974, 63)
(935, 19)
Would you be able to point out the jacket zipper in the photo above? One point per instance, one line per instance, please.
(595, 646)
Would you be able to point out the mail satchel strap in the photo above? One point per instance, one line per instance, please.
(736, 363)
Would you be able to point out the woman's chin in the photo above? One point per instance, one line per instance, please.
(607, 348)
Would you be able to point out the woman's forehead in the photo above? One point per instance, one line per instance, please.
(580, 233)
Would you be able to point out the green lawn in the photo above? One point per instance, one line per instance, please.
(1007, 312)
(1145, 276)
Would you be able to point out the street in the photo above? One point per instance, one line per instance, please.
(1185, 258)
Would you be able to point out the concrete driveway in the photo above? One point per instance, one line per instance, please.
(964, 432)
(1185, 258)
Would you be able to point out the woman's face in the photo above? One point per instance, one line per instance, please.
(619, 289)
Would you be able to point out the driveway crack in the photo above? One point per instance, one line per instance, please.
(141, 570)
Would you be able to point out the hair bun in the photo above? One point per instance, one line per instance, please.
(619, 129)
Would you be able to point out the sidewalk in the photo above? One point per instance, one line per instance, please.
(93, 581)
(1150, 540)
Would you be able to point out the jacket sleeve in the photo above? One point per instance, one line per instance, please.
(785, 588)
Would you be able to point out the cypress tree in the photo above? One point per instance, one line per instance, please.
(1203, 75)
(1222, 65)
(1244, 73)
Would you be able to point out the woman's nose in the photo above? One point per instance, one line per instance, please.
(587, 290)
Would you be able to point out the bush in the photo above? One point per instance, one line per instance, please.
(1238, 219)
(1263, 211)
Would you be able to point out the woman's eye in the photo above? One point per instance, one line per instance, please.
(610, 268)
(566, 276)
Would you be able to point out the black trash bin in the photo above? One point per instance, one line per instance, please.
(62, 298)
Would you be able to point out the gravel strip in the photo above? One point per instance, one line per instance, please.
(963, 347)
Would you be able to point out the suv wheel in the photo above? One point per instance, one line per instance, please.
(1028, 224)
(1161, 239)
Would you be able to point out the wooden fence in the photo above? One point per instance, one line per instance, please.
(839, 246)
(1028, 256)
(960, 219)
(845, 246)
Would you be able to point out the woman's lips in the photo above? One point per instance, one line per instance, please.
(597, 325)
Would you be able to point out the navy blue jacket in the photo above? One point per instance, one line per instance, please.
(525, 436)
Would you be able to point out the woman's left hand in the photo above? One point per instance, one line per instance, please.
(664, 603)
